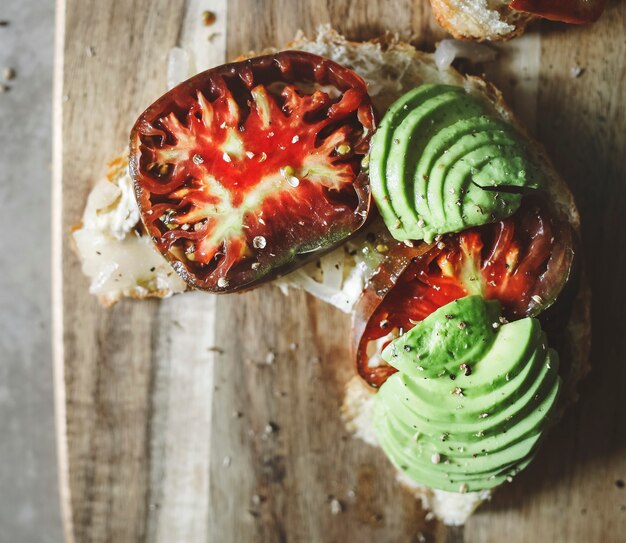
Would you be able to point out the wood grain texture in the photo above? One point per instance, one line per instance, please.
(167, 439)
(113, 67)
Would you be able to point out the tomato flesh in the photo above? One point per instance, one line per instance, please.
(567, 11)
(244, 168)
(523, 261)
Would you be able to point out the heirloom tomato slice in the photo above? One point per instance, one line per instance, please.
(523, 261)
(244, 170)
(567, 11)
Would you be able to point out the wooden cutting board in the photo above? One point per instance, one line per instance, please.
(163, 407)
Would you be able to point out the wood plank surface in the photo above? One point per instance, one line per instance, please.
(164, 438)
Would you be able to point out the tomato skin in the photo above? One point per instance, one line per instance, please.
(249, 169)
(523, 261)
(567, 11)
(367, 316)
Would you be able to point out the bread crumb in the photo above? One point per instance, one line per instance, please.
(270, 429)
(335, 506)
(576, 71)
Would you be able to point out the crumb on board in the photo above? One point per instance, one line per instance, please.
(208, 17)
(576, 71)
(270, 429)
(335, 506)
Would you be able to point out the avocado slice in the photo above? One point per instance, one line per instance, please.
(438, 160)
(445, 427)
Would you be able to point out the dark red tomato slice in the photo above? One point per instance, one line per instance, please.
(523, 261)
(243, 170)
(567, 11)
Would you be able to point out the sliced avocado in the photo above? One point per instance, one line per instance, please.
(445, 426)
(445, 338)
(427, 174)
(381, 142)
(410, 137)
(452, 178)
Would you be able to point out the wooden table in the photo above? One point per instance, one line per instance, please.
(162, 437)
